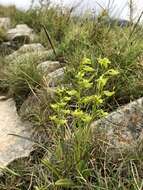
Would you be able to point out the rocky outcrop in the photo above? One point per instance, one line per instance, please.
(12, 130)
(21, 33)
(30, 48)
(124, 127)
(13, 145)
(26, 49)
(35, 56)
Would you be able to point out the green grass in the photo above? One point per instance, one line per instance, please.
(93, 39)
(79, 159)
(19, 79)
(82, 162)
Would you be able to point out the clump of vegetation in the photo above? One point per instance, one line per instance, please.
(74, 109)
(104, 69)
(95, 38)
(20, 79)
(80, 102)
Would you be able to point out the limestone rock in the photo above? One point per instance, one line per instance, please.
(49, 66)
(36, 56)
(12, 146)
(30, 48)
(21, 33)
(5, 23)
(124, 127)
(26, 48)
(55, 76)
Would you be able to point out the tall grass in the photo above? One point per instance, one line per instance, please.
(20, 79)
(123, 46)
(82, 162)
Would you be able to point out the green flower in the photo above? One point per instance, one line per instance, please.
(104, 62)
(87, 68)
(72, 92)
(108, 93)
(86, 61)
(101, 82)
(112, 72)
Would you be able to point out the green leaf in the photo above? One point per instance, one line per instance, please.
(60, 90)
(65, 111)
(94, 98)
(54, 106)
(80, 75)
(101, 113)
(64, 183)
(53, 118)
(78, 113)
(86, 61)
(10, 171)
(62, 122)
(67, 99)
(87, 99)
(101, 82)
(112, 72)
(98, 99)
(82, 115)
(72, 92)
(40, 188)
(88, 69)
(62, 104)
(87, 118)
(59, 105)
(58, 121)
(85, 83)
(51, 167)
(108, 93)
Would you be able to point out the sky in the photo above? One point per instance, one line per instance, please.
(119, 8)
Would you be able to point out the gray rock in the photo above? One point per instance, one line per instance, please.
(49, 66)
(36, 56)
(20, 33)
(5, 23)
(53, 78)
(12, 146)
(123, 128)
(30, 48)
(26, 48)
